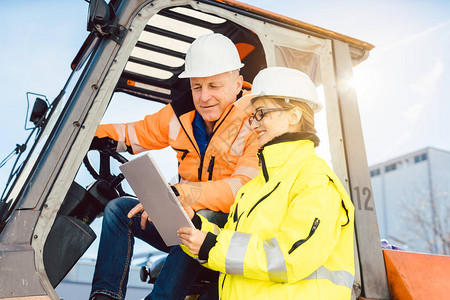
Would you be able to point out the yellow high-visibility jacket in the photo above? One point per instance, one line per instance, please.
(289, 234)
(229, 160)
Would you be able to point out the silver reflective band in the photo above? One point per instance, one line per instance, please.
(276, 265)
(174, 127)
(234, 260)
(343, 278)
(134, 142)
(121, 146)
(120, 129)
(200, 261)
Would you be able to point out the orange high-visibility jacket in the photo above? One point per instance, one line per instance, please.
(230, 158)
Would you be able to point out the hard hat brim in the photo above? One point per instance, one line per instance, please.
(185, 74)
(316, 107)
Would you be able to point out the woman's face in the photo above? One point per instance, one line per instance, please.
(275, 120)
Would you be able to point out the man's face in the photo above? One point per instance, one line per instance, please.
(213, 94)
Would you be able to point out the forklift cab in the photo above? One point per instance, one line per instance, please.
(133, 54)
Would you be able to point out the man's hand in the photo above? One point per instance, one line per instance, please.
(102, 143)
(144, 217)
(189, 211)
(192, 238)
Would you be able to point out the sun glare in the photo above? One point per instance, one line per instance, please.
(362, 80)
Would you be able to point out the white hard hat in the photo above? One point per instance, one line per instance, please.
(286, 83)
(209, 55)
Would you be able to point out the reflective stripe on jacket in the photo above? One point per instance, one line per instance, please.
(229, 162)
(289, 234)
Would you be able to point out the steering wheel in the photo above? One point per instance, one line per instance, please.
(109, 185)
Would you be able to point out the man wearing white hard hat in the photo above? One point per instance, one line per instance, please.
(293, 237)
(216, 152)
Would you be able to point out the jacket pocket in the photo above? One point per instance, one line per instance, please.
(262, 199)
(311, 232)
(184, 151)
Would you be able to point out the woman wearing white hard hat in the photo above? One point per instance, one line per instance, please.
(289, 234)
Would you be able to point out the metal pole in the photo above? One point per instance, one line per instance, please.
(373, 271)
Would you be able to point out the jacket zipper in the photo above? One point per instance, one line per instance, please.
(235, 229)
(235, 213)
(264, 197)
(311, 232)
(200, 168)
(262, 161)
(211, 167)
(223, 282)
(184, 129)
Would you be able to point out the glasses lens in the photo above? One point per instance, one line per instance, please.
(250, 120)
(259, 115)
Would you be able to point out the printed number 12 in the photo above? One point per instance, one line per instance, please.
(366, 192)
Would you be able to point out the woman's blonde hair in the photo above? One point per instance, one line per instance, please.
(306, 123)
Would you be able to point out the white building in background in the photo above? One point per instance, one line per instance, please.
(412, 200)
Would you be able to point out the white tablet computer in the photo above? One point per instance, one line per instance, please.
(157, 197)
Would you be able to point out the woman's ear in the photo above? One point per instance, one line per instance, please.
(295, 115)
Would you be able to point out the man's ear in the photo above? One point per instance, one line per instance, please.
(295, 115)
(239, 83)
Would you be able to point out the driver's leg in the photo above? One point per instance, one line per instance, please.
(180, 271)
(116, 247)
(176, 276)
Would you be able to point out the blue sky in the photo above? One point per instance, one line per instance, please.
(402, 87)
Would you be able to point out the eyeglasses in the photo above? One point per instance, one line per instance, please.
(261, 113)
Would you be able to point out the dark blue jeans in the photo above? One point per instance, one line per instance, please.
(116, 249)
